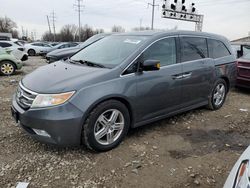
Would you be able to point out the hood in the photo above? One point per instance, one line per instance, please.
(62, 77)
(60, 52)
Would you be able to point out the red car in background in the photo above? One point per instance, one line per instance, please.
(243, 73)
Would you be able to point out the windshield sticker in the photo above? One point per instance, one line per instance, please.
(132, 41)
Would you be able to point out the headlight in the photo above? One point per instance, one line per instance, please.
(45, 100)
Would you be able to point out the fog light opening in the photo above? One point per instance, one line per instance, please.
(41, 132)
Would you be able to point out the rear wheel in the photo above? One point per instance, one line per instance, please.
(106, 126)
(32, 52)
(7, 68)
(218, 95)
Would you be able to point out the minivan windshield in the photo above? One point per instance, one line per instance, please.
(110, 51)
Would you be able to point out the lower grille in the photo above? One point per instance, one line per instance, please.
(25, 97)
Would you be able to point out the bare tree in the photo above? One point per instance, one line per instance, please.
(118, 29)
(47, 36)
(67, 33)
(141, 28)
(7, 25)
(70, 33)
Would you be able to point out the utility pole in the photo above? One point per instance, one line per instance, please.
(23, 33)
(140, 24)
(49, 24)
(53, 17)
(79, 8)
(153, 13)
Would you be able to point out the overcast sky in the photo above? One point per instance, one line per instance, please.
(230, 18)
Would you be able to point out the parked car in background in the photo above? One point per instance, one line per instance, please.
(54, 43)
(59, 54)
(8, 63)
(63, 45)
(21, 42)
(124, 81)
(239, 176)
(37, 48)
(241, 48)
(243, 71)
(16, 49)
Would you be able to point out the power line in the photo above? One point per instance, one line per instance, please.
(79, 9)
(153, 13)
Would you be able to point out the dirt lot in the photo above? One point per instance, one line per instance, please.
(195, 149)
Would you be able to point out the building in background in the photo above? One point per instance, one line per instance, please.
(242, 40)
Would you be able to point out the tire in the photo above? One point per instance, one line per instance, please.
(7, 68)
(31, 52)
(99, 126)
(218, 96)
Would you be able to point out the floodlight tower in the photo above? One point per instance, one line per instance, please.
(177, 10)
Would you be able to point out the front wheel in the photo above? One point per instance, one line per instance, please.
(218, 95)
(106, 126)
(7, 68)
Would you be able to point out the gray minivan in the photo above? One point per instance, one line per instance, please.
(121, 82)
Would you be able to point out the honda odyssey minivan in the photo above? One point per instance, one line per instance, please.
(121, 82)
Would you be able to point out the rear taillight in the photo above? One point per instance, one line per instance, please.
(21, 49)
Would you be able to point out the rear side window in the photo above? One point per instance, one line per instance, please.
(193, 48)
(5, 44)
(217, 49)
(163, 50)
(37, 44)
(73, 44)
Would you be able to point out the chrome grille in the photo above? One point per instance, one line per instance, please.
(25, 97)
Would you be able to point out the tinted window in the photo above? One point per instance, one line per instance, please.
(5, 44)
(37, 44)
(63, 46)
(73, 44)
(45, 45)
(217, 49)
(193, 48)
(163, 50)
(131, 69)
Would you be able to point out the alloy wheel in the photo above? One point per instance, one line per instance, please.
(109, 126)
(219, 94)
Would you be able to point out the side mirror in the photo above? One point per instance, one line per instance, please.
(151, 65)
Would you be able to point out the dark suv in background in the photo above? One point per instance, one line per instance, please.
(124, 81)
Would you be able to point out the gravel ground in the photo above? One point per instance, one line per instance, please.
(194, 149)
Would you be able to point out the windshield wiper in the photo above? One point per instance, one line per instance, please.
(88, 63)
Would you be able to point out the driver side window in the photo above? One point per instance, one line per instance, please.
(163, 50)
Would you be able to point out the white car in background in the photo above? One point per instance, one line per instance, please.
(37, 48)
(16, 49)
(239, 176)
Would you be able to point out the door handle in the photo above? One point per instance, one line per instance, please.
(187, 75)
(177, 77)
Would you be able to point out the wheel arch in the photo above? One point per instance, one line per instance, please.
(31, 49)
(119, 98)
(9, 61)
(227, 82)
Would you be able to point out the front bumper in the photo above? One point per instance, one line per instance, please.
(19, 64)
(63, 123)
